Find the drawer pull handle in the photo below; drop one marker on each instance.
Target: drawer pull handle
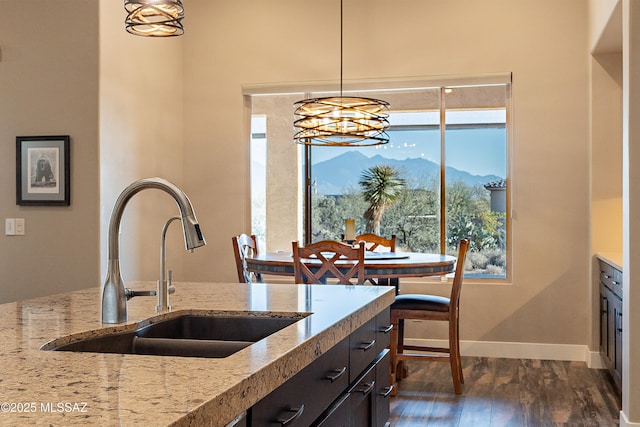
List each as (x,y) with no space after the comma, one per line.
(386,329)
(619,323)
(606,276)
(613,282)
(386,391)
(366,389)
(338,374)
(287,421)
(367,346)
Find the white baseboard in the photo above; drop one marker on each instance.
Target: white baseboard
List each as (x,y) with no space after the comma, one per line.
(624,421)
(594,360)
(512,350)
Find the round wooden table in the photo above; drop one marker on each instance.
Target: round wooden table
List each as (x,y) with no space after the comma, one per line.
(390,265)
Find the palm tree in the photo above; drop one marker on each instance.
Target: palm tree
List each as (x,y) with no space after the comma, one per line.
(381,185)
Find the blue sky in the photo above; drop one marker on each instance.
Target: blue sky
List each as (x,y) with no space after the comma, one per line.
(479,151)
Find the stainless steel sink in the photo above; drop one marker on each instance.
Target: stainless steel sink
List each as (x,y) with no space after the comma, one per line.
(187,335)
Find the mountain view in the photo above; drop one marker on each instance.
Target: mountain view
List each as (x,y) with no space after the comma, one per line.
(341,173)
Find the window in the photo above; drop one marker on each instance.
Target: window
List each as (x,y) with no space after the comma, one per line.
(444,174)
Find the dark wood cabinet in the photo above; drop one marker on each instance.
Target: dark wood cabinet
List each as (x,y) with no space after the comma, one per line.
(604,326)
(347,386)
(617,340)
(299,401)
(383,392)
(611,320)
(366,401)
(362,399)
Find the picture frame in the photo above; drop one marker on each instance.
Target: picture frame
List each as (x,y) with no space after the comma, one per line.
(43,170)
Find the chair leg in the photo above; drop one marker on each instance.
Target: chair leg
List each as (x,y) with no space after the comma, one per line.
(393,356)
(454,357)
(401,368)
(458,351)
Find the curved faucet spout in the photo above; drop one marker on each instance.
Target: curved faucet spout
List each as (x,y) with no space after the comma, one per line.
(192,235)
(114,294)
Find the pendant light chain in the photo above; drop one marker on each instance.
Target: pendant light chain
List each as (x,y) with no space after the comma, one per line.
(339,120)
(341,45)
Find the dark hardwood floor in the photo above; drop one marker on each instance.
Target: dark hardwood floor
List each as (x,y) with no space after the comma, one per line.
(506,392)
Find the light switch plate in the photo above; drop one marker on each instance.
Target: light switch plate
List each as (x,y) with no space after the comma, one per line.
(10,226)
(20,226)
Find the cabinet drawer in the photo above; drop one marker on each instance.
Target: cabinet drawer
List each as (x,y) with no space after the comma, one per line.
(606,274)
(363,348)
(383,391)
(338,414)
(616,282)
(362,399)
(305,396)
(383,330)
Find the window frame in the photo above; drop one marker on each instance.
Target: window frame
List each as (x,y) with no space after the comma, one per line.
(305,90)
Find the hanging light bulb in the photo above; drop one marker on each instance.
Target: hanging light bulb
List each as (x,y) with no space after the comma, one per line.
(340,120)
(154,18)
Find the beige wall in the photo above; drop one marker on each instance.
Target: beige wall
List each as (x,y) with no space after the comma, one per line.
(254,42)
(605,25)
(49,86)
(138,107)
(173,108)
(141,135)
(200,143)
(606,153)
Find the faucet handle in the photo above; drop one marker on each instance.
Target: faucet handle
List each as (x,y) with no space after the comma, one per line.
(170,286)
(130,293)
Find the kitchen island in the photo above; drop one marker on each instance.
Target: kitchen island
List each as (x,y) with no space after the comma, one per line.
(62,388)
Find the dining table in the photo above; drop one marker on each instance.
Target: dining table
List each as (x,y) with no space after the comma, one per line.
(379,265)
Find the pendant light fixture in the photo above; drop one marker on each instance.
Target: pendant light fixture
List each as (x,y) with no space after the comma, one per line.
(341,120)
(154,18)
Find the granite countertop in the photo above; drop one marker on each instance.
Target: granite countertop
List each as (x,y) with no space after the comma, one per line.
(612,258)
(55,388)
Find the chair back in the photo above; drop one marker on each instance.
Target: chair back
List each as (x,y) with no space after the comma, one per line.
(459,273)
(245,246)
(317,261)
(373,241)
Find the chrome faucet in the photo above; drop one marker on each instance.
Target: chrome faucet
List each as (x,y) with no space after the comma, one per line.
(165,287)
(114,294)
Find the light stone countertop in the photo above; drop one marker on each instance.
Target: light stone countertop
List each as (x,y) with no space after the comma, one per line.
(60,388)
(612,258)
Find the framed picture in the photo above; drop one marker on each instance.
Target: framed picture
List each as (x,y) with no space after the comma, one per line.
(42,170)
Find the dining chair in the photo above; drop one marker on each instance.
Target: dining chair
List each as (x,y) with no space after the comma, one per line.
(373,243)
(327,252)
(245,246)
(430,307)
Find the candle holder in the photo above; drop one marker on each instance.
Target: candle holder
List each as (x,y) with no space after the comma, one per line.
(349,230)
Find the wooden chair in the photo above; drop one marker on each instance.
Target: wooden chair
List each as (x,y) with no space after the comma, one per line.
(372,243)
(245,246)
(430,307)
(328,252)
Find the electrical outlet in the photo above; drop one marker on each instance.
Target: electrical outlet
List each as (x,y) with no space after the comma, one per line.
(20,230)
(10,226)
